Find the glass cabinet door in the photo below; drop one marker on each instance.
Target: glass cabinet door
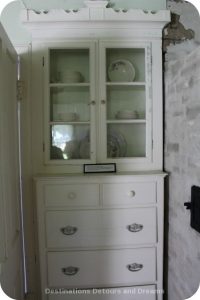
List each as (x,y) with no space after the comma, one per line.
(126,101)
(70,99)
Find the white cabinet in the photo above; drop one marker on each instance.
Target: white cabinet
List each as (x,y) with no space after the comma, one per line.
(99,113)
(97,98)
(96,89)
(70,122)
(95,244)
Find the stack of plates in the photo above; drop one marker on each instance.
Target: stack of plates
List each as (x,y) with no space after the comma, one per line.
(127,115)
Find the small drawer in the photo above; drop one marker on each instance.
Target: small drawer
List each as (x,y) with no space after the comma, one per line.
(119,194)
(101,227)
(127,293)
(71,195)
(101,268)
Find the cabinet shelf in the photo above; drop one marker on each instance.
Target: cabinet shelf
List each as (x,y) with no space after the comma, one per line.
(82,84)
(136,83)
(69,123)
(132,121)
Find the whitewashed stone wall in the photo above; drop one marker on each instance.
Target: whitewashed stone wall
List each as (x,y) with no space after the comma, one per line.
(182,161)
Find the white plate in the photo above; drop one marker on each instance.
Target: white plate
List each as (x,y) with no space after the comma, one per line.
(121,70)
(116,144)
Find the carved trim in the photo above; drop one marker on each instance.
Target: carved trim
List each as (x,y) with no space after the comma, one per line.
(95,14)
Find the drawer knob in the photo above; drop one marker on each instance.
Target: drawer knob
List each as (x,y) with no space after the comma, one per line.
(134,267)
(70,271)
(135,227)
(69,230)
(132,194)
(72,196)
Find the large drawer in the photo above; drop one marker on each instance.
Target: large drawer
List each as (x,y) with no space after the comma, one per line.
(71,195)
(127,293)
(101,268)
(129,194)
(100,227)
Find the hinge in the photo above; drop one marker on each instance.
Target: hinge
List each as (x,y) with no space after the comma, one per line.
(43,61)
(20,90)
(43,147)
(152,144)
(35,259)
(151,59)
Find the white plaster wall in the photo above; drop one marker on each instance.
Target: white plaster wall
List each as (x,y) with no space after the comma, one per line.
(182,154)
(182,161)
(189,17)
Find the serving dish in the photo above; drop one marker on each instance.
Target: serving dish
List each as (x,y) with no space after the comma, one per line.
(121,70)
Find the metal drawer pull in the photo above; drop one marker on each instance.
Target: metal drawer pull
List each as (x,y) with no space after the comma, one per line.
(135,227)
(71,196)
(68,230)
(134,267)
(70,271)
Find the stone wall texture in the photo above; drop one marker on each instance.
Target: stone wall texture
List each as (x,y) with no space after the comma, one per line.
(182,162)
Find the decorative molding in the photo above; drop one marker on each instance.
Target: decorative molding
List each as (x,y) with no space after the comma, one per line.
(95,13)
(96,4)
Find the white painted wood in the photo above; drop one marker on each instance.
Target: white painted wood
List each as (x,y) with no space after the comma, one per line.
(94,26)
(71,195)
(100,228)
(87,14)
(90,45)
(26,151)
(130,194)
(99,206)
(120,45)
(91,238)
(128,293)
(153,159)
(101,268)
(10,253)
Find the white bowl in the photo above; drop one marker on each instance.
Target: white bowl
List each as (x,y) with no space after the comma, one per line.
(70,76)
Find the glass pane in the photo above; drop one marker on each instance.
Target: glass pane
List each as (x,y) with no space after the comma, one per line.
(126,102)
(126,140)
(70,142)
(69,65)
(69,104)
(123,62)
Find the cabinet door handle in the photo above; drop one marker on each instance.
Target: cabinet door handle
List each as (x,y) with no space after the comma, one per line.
(70,271)
(92,103)
(135,227)
(134,267)
(69,230)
